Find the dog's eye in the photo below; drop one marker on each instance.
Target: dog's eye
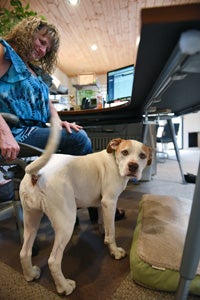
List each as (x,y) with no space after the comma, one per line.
(125,152)
(142,155)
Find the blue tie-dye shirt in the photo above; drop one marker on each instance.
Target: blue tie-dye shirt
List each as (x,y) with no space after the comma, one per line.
(23,94)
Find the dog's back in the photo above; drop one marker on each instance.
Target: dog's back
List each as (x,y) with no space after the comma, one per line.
(88,176)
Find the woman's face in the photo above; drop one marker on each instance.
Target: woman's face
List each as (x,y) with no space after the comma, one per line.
(41,45)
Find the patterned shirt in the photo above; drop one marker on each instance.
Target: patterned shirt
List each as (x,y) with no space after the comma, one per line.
(23,94)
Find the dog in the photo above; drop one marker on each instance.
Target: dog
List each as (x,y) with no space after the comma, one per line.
(58,184)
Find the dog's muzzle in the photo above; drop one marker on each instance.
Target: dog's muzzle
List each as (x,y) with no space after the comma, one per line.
(133,167)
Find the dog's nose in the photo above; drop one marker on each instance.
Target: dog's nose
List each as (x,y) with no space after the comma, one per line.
(133,166)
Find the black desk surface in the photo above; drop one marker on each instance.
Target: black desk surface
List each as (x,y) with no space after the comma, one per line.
(160,31)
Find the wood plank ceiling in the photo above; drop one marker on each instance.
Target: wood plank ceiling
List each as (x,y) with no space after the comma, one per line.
(113,25)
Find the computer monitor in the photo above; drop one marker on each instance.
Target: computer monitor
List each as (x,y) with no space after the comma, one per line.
(120,84)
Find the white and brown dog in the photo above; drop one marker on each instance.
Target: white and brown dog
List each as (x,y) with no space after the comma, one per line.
(58,184)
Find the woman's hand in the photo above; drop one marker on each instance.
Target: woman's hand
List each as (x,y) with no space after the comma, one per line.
(64,124)
(68,126)
(8,146)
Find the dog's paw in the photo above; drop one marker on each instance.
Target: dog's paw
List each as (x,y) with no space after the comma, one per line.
(34,273)
(67,288)
(118,253)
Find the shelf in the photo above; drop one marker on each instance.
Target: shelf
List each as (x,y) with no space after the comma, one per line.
(83,86)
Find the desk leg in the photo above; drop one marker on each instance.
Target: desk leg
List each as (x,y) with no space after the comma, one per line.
(191,251)
(172,131)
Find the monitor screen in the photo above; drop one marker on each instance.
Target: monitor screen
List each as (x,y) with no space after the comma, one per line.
(120,84)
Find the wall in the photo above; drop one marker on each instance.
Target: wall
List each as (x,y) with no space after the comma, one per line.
(191,123)
(62,77)
(65,80)
(102,79)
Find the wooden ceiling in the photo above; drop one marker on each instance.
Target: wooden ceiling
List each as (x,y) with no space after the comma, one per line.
(113,25)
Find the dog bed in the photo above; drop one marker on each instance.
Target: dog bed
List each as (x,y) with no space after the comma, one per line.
(158,242)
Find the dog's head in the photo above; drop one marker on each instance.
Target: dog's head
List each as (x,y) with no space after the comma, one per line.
(131,156)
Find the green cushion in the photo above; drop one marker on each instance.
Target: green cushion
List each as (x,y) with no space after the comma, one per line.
(152,274)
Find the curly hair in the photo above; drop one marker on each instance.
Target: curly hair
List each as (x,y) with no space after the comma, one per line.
(21,38)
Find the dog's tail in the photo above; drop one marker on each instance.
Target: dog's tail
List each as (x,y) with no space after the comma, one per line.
(53,142)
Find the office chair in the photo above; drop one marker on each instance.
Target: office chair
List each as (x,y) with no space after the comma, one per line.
(166,138)
(13,171)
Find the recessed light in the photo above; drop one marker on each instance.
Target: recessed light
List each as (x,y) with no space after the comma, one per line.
(94,47)
(74,2)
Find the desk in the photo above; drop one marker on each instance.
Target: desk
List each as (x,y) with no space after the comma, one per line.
(89,117)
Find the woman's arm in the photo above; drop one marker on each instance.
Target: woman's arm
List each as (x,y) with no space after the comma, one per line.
(4,63)
(8,145)
(64,124)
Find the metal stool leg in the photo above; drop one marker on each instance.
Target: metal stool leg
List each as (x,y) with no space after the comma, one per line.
(172,131)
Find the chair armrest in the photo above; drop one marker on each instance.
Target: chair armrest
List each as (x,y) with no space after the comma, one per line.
(25,149)
(29,150)
(10,118)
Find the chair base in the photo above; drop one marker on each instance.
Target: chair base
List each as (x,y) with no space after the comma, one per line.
(6,191)
(6,210)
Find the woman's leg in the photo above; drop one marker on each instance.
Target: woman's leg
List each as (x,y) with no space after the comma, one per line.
(75,143)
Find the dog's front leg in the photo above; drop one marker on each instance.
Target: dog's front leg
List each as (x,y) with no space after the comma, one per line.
(109,209)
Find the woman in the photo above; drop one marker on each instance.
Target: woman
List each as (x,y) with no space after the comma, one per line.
(27,55)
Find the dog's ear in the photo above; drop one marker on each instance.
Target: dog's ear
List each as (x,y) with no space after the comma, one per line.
(149,159)
(113,144)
